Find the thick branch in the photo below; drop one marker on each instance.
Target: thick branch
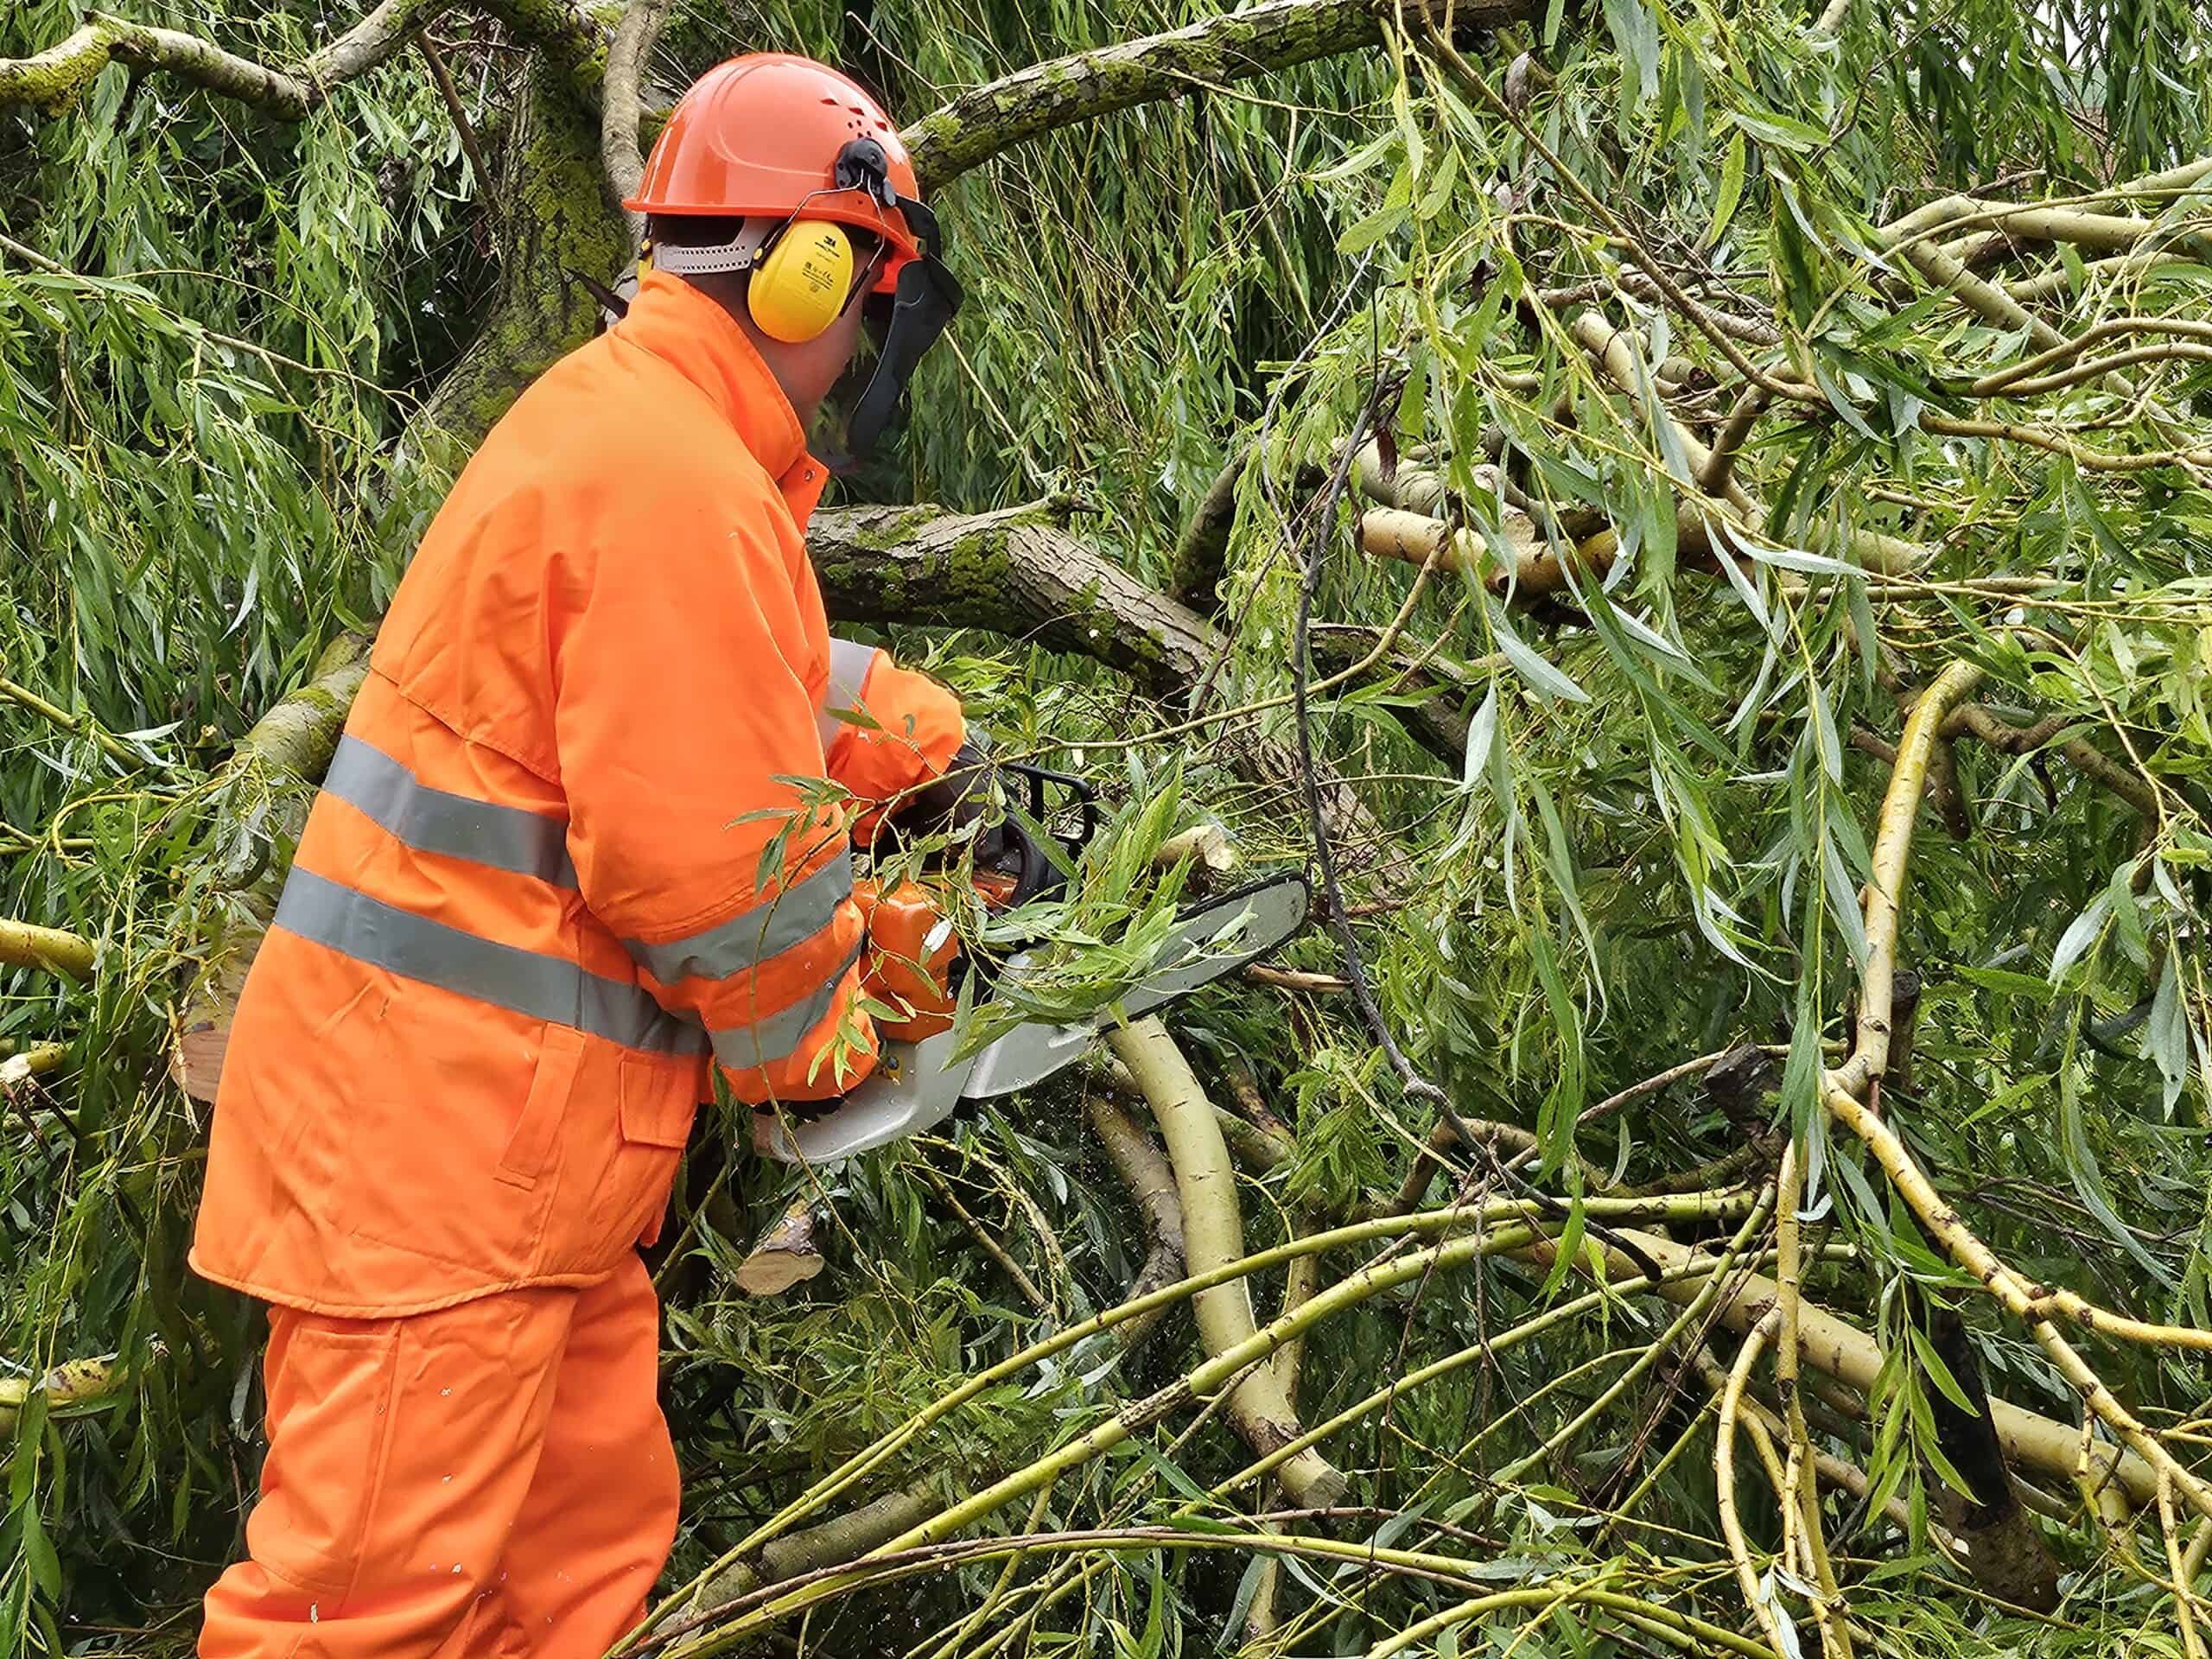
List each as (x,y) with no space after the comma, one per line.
(787,1253)
(619,103)
(1013,572)
(2006,1552)
(74,1383)
(2033,1304)
(55,78)
(1613,352)
(53,82)
(1202,552)
(380,36)
(845,1538)
(26,944)
(554,220)
(1213,1235)
(1842,1351)
(1214,52)
(2085,757)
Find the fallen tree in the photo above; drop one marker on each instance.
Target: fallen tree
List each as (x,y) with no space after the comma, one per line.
(1626,461)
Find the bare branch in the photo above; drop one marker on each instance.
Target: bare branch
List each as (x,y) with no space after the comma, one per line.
(1204,543)
(377,37)
(619,104)
(1213,1235)
(1149,1180)
(462,125)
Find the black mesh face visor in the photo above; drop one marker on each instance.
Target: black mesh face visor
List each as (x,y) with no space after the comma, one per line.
(903,324)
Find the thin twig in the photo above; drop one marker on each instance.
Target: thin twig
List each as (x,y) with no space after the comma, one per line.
(461,123)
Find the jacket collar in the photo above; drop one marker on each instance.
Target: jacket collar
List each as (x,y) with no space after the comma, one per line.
(702,342)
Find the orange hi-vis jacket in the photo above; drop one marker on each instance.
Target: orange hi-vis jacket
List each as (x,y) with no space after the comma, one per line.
(576,840)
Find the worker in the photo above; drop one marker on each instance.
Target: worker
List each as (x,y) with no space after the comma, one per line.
(590,828)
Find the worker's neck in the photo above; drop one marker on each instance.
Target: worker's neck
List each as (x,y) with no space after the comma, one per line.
(728,293)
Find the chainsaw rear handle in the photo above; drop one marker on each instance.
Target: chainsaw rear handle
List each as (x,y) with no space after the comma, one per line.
(1034,872)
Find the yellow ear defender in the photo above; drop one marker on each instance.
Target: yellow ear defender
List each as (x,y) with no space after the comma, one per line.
(800,285)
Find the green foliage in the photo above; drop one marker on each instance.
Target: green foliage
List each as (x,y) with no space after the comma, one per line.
(1652,846)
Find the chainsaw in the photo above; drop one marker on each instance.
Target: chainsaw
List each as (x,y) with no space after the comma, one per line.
(916,1086)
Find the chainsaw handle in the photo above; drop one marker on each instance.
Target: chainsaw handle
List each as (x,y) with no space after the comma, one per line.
(1084,791)
(1036,874)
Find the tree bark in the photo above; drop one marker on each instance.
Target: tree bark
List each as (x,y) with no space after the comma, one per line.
(620,158)
(53,82)
(1217,51)
(1842,1351)
(1015,572)
(2002,1547)
(845,1538)
(555,220)
(26,944)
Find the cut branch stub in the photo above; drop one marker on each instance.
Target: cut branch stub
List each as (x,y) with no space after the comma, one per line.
(789,1253)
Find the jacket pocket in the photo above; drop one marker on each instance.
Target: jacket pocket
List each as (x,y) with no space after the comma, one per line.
(538,1131)
(658,1102)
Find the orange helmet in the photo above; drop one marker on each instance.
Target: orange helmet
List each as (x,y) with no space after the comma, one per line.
(763,135)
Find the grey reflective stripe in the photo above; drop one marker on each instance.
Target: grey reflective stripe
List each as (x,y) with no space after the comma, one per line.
(433,821)
(522,981)
(777,1036)
(849,667)
(751,938)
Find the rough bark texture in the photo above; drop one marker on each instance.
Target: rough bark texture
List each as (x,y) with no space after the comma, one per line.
(1019,572)
(619,156)
(1201,555)
(51,80)
(1236,46)
(1015,572)
(833,1542)
(1998,1536)
(555,220)
(1144,1175)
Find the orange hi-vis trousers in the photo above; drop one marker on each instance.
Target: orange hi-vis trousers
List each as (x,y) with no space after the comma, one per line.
(491,1479)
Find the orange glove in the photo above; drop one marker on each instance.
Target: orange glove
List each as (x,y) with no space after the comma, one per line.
(912,947)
